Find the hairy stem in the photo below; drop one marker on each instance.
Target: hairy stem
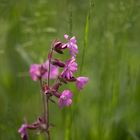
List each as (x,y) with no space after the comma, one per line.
(47,105)
(47,97)
(50,56)
(45,109)
(43,100)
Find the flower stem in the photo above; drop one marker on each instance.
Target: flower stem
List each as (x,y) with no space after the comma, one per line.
(47,104)
(50,57)
(47,97)
(45,109)
(43,99)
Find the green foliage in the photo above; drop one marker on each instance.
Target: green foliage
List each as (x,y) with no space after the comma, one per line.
(108,39)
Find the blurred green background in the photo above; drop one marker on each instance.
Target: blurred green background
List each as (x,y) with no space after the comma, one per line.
(109,54)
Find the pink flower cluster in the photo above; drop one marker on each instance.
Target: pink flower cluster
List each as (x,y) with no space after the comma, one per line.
(38,71)
(61,72)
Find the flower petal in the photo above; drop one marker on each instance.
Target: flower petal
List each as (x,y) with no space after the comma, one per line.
(81,82)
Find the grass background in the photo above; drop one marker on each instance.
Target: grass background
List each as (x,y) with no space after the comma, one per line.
(109,54)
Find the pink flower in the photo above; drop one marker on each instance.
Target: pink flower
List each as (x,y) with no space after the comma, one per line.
(81,81)
(35,71)
(72,45)
(38,71)
(53,70)
(69,69)
(65,98)
(23,131)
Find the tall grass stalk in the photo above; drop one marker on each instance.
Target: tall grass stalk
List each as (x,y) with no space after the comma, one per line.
(75,108)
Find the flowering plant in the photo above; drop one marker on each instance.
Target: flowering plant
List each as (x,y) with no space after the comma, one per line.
(50,70)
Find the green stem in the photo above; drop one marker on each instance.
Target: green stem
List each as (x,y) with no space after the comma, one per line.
(47,106)
(49,67)
(45,110)
(43,99)
(47,97)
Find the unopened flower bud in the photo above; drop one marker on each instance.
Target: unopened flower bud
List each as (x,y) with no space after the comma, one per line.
(58,51)
(56,86)
(56,94)
(59,46)
(57,62)
(72,79)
